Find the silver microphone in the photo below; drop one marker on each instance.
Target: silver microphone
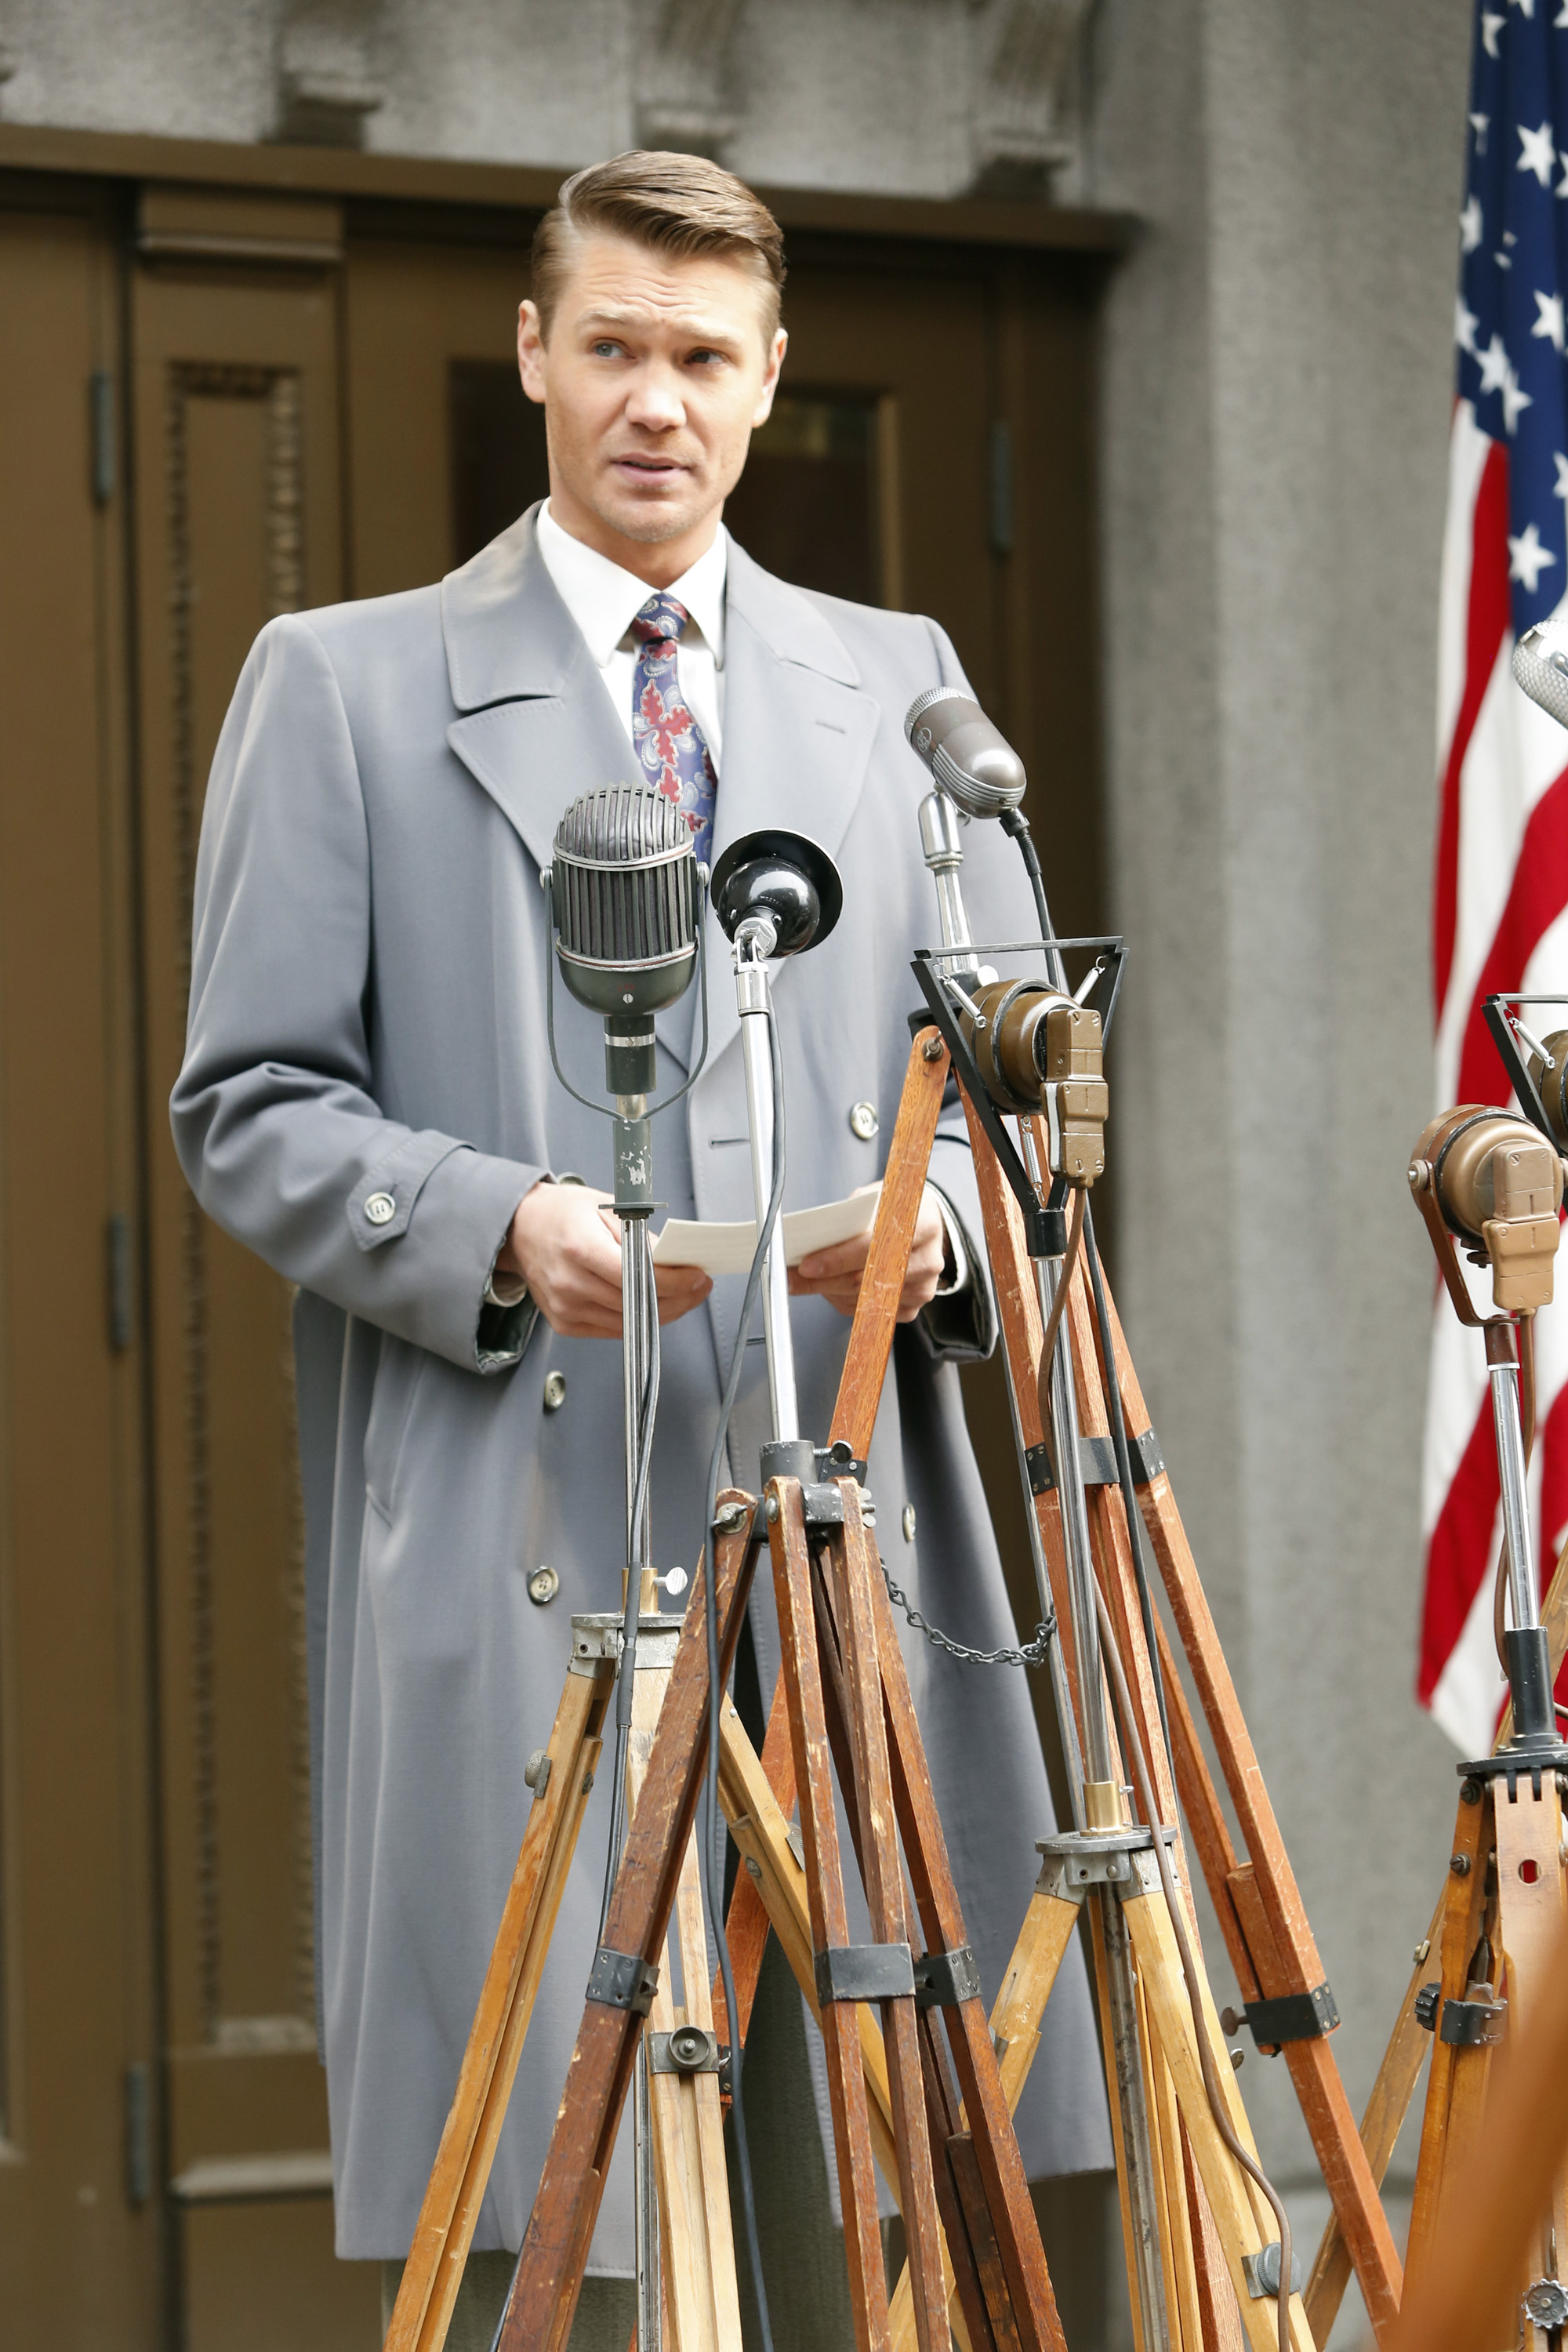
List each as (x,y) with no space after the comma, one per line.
(1540,664)
(969,757)
(624,887)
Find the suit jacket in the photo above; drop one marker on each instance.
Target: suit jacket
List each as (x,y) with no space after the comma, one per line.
(367,1017)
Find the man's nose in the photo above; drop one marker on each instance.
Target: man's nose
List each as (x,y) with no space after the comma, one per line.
(655,402)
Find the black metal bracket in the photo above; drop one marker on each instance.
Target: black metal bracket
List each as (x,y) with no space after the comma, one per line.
(1472,2024)
(687,2050)
(623,1980)
(1514,1065)
(1044,1229)
(864,1972)
(822,1507)
(1293,2017)
(1097,1458)
(946,1979)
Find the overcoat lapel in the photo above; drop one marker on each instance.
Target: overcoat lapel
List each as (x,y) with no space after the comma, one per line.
(537,726)
(798,732)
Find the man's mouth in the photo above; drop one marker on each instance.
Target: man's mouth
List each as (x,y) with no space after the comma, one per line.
(651,469)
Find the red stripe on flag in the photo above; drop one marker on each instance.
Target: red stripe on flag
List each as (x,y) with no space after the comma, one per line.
(1537,896)
(1459,1554)
(1489,618)
(1551,1443)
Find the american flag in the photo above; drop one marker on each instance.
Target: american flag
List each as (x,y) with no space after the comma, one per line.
(1501,894)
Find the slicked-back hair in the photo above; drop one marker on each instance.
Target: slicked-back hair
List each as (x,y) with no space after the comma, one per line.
(680,205)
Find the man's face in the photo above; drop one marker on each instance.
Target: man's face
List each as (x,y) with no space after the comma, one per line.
(655,373)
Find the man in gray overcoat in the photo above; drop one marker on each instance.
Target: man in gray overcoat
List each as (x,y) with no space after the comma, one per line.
(368,1102)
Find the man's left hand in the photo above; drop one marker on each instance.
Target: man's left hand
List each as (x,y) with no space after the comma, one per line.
(837,1273)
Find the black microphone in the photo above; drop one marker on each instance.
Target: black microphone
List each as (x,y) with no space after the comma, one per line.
(970,759)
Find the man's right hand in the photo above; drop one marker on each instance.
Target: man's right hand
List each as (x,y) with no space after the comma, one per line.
(566,1243)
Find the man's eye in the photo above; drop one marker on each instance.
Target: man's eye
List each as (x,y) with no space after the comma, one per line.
(605,349)
(705,359)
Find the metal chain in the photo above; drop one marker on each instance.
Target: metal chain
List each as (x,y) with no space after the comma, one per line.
(1034,1654)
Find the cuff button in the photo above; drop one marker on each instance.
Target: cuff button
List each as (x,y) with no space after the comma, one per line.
(554,1392)
(380,1208)
(863,1121)
(542,1587)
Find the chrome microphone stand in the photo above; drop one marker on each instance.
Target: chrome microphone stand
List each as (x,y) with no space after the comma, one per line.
(755,941)
(775,894)
(1090,1774)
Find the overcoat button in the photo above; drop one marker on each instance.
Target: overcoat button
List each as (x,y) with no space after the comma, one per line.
(380,1208)
(863,1121)
(542,1587)
(909,1523)
(554,1392)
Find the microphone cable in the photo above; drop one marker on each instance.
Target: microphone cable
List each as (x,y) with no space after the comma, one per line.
(1015,824)
(713,1850)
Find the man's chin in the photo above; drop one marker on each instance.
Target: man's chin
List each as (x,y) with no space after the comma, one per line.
(650,521)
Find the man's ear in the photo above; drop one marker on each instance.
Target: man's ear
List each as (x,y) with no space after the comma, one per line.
(531,352)
(764,408)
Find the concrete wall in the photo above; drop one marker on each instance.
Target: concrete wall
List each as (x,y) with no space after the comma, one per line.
(1277,393)
(1278,387)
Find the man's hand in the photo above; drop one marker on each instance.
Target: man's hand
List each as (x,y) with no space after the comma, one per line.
(836,1273)
(566,1243)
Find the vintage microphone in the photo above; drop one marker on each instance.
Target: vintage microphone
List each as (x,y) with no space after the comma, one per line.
(1540,664)
(625,895)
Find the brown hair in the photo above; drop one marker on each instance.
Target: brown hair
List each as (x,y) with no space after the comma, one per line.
(680,204)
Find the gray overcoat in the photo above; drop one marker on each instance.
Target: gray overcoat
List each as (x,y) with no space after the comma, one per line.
(367,1017)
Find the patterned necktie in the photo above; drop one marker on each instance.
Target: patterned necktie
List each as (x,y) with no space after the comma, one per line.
(668,743)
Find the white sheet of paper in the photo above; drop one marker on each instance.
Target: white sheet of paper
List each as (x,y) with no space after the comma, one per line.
(727,1249)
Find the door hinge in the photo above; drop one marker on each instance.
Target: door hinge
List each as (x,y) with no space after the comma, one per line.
(118,1276)
(138,2131)
(999,485)
(101,422)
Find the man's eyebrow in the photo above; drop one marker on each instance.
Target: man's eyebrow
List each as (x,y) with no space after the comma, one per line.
(697,331)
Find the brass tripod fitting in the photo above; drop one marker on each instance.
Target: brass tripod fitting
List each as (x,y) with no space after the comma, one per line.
(1494,1181)
(1038,1052)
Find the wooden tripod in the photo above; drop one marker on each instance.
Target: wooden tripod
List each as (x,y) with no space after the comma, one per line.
(698,2264)
(1264,1921)
(1408,2044)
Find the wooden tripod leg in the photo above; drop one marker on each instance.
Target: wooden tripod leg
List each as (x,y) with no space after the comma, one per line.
(801,1681)
(1401,2068)
(768,1849)
(1464,1902)
(853,1418)
(701,2296)
(973,2057)
(549,2278)
(884,1882)
(1291,1957)
(1245,2222)
(450,2210)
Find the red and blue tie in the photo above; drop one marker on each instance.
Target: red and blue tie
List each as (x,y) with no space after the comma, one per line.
(668,743)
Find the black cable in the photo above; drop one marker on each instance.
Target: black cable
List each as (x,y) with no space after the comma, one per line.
(712,1866)
(1015,824)
(1124,1479)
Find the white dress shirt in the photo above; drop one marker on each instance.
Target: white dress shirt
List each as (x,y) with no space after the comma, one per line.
(605,600)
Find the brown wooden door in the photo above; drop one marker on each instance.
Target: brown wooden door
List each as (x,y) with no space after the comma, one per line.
(240,506)
(78,2218)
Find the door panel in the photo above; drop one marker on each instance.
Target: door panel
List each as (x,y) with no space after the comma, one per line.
(79,2242)
(239,500)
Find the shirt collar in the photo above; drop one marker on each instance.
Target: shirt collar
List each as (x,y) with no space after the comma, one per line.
(603,600)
